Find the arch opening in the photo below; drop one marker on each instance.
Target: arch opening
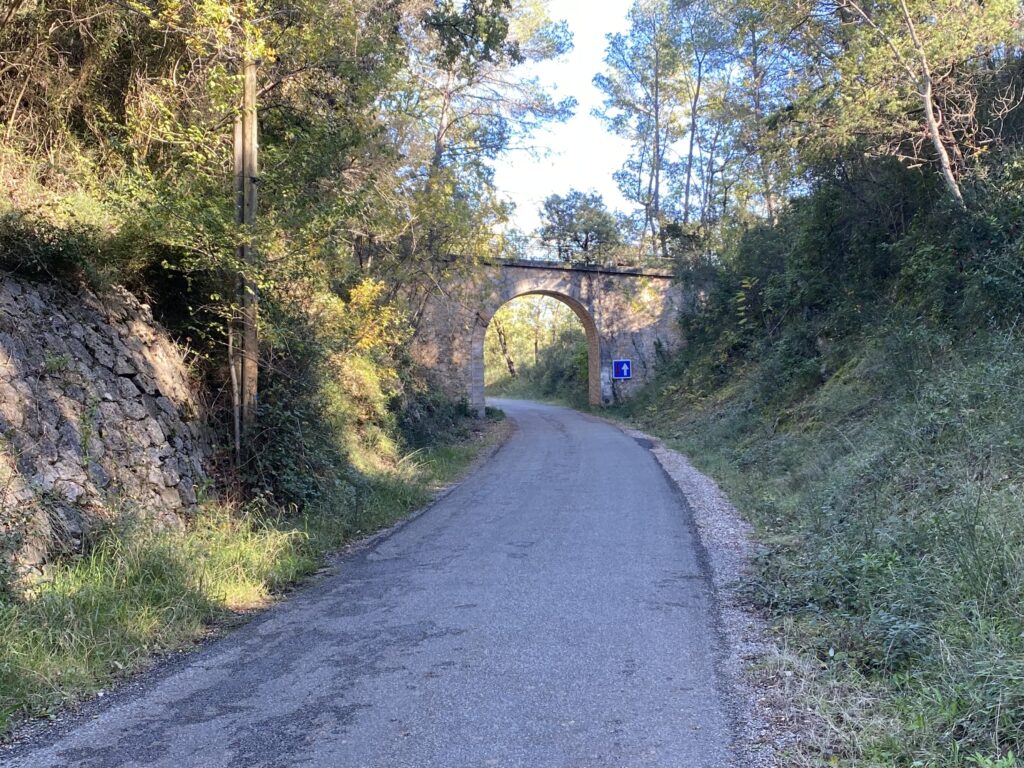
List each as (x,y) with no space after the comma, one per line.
(477,393)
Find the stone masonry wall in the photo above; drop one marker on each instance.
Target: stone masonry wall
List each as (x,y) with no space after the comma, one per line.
(627,314)
(97,415)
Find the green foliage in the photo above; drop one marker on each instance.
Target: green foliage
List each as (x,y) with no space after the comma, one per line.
(1008,761)
(542,341)
(340,403)
(579,226)
(39,249)
(427,416)
(889,500)
(478,31)
(731,107)
(560,374)
(875,93)
(376,124)
(851,378)
(645,86)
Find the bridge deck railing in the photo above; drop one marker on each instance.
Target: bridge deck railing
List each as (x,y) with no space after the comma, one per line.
(658,270)
(527,250)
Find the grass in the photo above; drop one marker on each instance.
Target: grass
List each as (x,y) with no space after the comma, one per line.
(890,501)
(528,387)
(138,592)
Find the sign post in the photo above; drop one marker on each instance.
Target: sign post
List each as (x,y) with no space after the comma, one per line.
(622,369)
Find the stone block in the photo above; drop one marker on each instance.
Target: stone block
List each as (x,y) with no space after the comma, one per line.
(110,413)
(155,477)
(170,499)
(126,388)
(45,477)
(187,491)
(158,453)
(167,406)
(78,350)
(155,432)
(69,441)
(136,410)
(172,472)
(98,475)
(70,490)
(12,405)
(146,382)
(69,469)
(33,301)
(124,367)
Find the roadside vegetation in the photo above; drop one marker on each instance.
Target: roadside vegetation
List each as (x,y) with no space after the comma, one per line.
(858,394)
(138,591)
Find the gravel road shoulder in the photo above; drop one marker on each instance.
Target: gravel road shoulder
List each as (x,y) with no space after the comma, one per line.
(767,719)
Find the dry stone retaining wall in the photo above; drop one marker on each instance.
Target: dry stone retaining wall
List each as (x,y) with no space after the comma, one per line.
(97,415)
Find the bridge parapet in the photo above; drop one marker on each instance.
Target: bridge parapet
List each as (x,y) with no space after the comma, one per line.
(564,266)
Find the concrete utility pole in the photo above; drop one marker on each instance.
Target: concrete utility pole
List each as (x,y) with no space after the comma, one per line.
(245,366)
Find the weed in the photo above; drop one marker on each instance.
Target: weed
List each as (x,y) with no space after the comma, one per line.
(980,761)
(54,364)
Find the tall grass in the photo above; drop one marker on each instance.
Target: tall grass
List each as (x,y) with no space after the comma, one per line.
(136,592)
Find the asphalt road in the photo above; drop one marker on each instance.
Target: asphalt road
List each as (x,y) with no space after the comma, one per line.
(552,611)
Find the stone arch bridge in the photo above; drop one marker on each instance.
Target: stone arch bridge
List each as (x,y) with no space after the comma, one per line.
(626,314)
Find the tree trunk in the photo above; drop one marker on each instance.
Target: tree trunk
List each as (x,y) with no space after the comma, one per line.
(659,241)
(694,106)
(710,173)
(758,75)
(499,331)
(924,76)
(935,133)
(236,401)
(931,119)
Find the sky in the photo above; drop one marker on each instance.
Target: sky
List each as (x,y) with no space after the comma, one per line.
(578,153)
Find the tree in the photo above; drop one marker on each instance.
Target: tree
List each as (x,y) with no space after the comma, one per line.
(645,86)
(578,225)
(751,93)
(467,100)
(910,74)
(705,46)
(522,332)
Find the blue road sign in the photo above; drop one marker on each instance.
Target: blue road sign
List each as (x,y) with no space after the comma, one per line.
(622,369)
